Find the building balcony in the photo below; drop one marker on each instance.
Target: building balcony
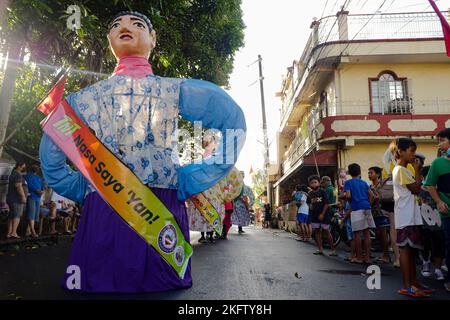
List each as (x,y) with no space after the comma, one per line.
(361,39)
(367,120)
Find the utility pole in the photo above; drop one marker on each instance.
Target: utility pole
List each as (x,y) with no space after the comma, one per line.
(266,142)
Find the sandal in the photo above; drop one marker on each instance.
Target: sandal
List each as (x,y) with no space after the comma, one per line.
(411,292)
(355,261)
(332,254)
(318,253)
(382,261)
(423,288)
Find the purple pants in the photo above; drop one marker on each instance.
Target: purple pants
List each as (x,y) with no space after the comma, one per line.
(112,257)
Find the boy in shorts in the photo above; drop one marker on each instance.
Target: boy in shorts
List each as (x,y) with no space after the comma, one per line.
(318,212)
(360,196)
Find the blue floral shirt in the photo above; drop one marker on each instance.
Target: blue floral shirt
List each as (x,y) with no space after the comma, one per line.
(137,120)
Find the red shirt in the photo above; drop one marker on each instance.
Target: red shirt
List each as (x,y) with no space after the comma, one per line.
(229,205)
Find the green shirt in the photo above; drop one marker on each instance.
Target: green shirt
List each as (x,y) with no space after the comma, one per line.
(331,198)
(439,177)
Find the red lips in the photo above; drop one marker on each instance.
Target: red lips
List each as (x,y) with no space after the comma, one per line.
(126,36)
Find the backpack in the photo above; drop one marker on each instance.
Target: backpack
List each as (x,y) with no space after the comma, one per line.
(387,190)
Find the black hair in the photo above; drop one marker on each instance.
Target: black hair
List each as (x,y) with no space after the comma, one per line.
(377,171)
(132,13)
(402,144)
(444,133)
(298,187)
(314,177)
(354,170)
(19,164)
(35,168)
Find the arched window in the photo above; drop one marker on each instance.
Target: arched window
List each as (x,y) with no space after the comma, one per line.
(389,94)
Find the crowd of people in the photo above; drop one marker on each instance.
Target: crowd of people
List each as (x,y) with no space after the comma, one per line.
(406,203)
(405,206)
(29,199)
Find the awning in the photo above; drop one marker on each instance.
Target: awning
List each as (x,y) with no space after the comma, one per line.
(323,158)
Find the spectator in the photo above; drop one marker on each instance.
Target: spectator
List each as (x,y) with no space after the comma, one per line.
(341,180)
(64,208)
(76,218)
(318,212)
(36,190)
(303,213)
(380,219)
(16,198)
(408,219)
(326,184)
(438,185)
(432,234)
(267,215)
(227,220)
(359,194)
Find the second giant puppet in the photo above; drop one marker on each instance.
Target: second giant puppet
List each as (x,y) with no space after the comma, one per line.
(134,113)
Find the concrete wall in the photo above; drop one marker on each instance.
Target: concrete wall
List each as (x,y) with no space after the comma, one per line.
(425,81)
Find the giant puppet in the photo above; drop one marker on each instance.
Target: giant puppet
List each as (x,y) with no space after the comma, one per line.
(134,114)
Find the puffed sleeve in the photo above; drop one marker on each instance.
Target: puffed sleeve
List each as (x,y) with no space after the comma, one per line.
(58,175)
(206,102)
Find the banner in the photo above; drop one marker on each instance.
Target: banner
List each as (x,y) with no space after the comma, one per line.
(445,26)
(208,211)
(119,186)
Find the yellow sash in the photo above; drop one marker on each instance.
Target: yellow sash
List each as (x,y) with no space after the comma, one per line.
(119,186)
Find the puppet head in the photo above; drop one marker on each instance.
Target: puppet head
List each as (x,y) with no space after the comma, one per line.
(131,34)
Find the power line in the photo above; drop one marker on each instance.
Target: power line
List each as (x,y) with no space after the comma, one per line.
(370,19)
(396,32)
(323,11)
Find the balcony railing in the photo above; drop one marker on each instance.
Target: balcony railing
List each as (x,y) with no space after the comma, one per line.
(408,106)
(361,27)
(397,106)
(384,26)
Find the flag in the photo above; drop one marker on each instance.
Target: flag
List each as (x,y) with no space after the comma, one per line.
(53,98)
(445,26)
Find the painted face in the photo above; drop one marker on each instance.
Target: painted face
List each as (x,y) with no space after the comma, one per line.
(130,36)
(443,144)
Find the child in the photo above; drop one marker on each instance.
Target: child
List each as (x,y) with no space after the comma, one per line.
(348,225)
(432,234)
(360,196)
(438,183)
(408,219)
(301,197)
(342,178)
(318,212)
(381,220)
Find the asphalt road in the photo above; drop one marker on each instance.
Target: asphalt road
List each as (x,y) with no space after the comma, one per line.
(260,264)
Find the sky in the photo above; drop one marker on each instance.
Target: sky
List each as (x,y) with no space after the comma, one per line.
(278,31)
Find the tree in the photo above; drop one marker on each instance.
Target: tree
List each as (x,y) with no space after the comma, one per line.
(195,38)
(259,185)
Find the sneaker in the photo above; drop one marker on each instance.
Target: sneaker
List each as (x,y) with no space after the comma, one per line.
(444,268)
(438,274)
(202,240)
(426,269)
